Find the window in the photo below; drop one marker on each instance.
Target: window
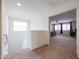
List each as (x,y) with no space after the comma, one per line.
(19,26)
(58,27)
(66,26)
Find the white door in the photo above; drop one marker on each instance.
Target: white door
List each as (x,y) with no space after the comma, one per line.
(19,35)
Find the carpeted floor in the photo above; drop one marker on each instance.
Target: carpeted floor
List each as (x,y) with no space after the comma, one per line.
(61,47)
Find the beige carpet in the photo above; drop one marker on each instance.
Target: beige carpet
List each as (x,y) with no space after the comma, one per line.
(61,47)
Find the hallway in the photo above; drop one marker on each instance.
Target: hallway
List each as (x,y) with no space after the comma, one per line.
(61,47)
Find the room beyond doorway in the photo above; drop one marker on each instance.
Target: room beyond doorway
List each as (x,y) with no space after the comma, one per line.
(64,23)
(62,26)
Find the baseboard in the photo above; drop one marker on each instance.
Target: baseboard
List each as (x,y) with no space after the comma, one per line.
(40,47)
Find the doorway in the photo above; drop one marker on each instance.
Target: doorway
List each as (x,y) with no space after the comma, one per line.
(19,35)
(62,28)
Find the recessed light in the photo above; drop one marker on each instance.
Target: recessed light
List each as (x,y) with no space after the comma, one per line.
(19,4)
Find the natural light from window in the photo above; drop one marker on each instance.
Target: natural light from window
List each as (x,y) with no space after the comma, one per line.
(20,26)
(58,27)
(66,26)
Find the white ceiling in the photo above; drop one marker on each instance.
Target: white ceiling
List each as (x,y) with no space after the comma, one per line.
(32,8)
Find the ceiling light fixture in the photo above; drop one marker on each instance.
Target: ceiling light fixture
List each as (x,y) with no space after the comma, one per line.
(19,4)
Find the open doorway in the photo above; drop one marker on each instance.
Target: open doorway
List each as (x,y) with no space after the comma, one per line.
(63,33)
(19,35)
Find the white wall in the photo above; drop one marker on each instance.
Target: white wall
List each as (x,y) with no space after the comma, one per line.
(39,38)
(39,24)
(39,32)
